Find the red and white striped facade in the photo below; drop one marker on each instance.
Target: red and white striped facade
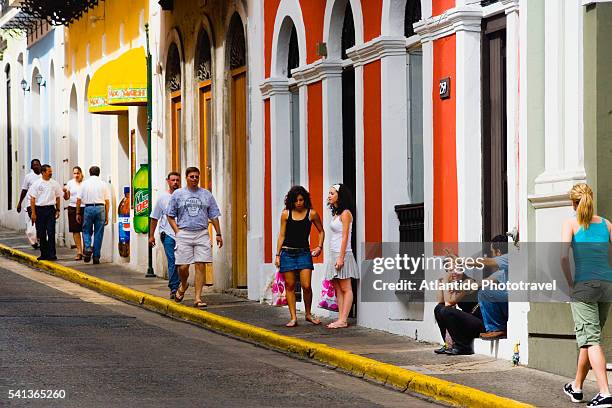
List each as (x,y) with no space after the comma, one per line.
(449,37)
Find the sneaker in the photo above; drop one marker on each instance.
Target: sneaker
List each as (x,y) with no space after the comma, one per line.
(173,294)
(456,351)
(600,401)
(96,261)
(568,389)
(442,350)
(87,256)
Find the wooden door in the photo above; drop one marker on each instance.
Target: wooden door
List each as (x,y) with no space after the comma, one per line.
(494,149)
(239,176)
(176,131)
(205,103)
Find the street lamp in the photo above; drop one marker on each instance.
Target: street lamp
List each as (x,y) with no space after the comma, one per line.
(24,86)
(40,81)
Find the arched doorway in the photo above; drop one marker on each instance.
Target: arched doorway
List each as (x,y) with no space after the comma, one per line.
(9,141)
(293,61)
(236,51)
(203,74)
(88,152)
(173,89)
(414,81)
(37,146)
(73,119)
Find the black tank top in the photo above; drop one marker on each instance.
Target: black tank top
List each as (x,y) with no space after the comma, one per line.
(297,232)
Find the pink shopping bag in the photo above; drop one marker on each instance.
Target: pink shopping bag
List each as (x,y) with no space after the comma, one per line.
(328,297)
(279,297)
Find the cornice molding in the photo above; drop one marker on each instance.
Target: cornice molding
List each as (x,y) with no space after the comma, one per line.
(317,71)
(553,200)
(464,18)
(378,48)
(274,86)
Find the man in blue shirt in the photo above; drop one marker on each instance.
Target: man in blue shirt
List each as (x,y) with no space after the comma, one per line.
(494,303)
(189,211)
(166,233)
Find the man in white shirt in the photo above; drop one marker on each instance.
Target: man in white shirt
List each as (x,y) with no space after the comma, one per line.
(166,233)
(45,206)
(95,197)
(29,179)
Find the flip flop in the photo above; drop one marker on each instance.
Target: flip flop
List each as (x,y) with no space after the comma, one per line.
(292,323)
(200,304)
(336,325)
(180,294)
(313,320)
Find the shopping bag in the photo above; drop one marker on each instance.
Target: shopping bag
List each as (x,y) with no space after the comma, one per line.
(328,297)
(31,232)
(279,297)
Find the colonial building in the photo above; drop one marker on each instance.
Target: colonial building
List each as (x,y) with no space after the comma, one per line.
(451,121)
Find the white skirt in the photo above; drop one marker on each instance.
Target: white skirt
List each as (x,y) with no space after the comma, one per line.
(349,270)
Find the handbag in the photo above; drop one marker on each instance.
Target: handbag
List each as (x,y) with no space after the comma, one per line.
(328,297)
(279,296)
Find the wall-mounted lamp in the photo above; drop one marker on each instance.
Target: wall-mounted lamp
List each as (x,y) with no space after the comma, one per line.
(24,86)
(40,81)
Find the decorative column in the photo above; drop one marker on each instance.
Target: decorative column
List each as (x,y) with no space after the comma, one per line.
(391,52)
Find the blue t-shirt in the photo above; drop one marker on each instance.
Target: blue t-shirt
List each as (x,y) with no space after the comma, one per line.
(501,275)
(192,209)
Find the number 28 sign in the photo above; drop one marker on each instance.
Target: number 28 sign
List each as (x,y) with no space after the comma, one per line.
(445,85)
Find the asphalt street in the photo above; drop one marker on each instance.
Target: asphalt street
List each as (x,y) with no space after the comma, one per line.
(97,352)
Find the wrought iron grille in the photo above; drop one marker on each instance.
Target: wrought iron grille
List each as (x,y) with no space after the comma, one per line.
(52,11)
(203,58)
(412,221)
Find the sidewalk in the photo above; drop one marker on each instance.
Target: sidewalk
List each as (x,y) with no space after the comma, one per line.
(487,374)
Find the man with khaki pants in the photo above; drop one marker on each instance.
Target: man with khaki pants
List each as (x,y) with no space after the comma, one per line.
(189,211)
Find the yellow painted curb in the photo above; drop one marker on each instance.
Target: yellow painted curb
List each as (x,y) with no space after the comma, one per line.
(357,365)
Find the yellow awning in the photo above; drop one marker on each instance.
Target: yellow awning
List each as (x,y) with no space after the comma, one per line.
(119,83)
(128,87)
(97,93)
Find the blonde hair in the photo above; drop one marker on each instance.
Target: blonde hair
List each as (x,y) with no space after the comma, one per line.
(583,196)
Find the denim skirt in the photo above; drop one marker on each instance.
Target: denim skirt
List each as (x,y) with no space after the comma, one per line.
(295,259)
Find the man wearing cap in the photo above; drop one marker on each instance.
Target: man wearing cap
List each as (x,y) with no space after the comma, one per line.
(45,196)
(95,197)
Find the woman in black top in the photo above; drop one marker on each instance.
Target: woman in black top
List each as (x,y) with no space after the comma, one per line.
(293,253)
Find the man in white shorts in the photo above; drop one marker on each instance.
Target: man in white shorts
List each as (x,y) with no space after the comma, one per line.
(189,211)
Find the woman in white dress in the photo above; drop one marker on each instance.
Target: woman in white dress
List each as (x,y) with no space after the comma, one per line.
(341,265)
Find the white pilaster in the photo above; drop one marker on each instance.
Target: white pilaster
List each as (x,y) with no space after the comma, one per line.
(391,51)
(468,134)
(277,90)
(513,141)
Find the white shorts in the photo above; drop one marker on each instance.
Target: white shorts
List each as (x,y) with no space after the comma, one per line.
(192,247)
